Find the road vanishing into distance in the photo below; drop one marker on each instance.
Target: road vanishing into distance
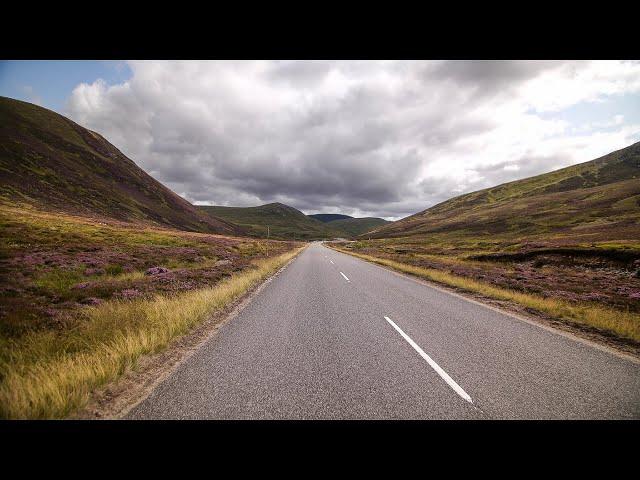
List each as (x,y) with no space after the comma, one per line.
(334,337)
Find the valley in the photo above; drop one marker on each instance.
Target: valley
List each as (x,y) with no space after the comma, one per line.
(103,266)
(287,223)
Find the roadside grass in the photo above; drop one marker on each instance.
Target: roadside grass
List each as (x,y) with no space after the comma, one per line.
(50,374)
(54,264)
(619,323)
(61,280)
(129,276)
(58,280)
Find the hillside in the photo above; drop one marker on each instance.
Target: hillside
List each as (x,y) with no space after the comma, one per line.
(51,163)
(593,201)
(60,271)
(357,226)
(284,222)
(328,217)
(563,244)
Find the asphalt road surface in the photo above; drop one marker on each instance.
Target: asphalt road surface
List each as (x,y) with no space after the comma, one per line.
(334,337)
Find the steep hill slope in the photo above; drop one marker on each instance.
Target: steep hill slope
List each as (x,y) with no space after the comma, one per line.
(328,217)
(51,163)
(593,201)
(357,226)
(283,221)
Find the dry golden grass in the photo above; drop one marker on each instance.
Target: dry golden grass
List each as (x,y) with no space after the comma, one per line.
(49,374)
(620,323)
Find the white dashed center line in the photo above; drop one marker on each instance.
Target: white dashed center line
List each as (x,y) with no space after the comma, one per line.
(457,388)
(331,261)
(345,277)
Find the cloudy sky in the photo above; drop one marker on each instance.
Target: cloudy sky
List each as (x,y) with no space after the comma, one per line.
(384,138)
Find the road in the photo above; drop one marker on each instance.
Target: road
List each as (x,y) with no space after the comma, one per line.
(334,337)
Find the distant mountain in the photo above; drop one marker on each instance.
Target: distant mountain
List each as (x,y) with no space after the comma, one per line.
(357,226)
(329,217)
(52,163)
(350,226)
(593,201)
(284,222)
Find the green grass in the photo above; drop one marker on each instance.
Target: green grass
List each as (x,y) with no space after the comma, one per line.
(619,323)
(49,229)
(52,374)
(114,269)
(59,280)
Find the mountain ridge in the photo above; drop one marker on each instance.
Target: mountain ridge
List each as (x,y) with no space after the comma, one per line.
(357,226)
(52,163)
(576,201)
(329,217)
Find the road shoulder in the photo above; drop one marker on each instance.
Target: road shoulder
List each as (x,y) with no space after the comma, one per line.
(116,399)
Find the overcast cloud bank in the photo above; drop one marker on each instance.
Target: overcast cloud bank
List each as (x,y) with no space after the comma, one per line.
(363,138)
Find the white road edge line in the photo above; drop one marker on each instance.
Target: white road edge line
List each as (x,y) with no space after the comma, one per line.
(331,261)
(345,277)
(458,389)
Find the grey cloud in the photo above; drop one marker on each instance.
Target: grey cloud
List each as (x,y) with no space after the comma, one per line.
(487,77)
(299,74)
(354,137)
(448,131)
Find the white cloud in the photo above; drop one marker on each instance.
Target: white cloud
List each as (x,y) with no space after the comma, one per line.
(576,82)
(365,138)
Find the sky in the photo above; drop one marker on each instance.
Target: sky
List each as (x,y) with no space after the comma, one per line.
(363,138)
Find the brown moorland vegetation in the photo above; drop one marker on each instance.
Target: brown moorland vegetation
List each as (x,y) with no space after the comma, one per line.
(569,237)
(99,263)
(52,265)
(82,299)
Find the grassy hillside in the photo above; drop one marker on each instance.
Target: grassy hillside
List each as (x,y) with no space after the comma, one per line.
(51,163)
(328,217)
(284,222)
(357,226)
(590,202)
(565,244)
(81,301)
